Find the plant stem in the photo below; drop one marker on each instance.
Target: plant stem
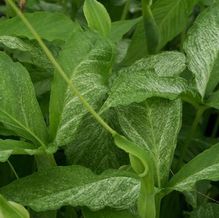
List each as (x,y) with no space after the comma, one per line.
(146,202)
(125,10)
(60,70)
(191,133)
(12,169)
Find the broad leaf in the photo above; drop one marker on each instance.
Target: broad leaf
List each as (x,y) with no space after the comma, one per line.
(154,76)
(108,213)
(94,147)
(202,47)
(50,26)
(172,17)
(97,16)
(154,124)
(204,166)
(9,209)
(75,186)
(209,210)
(19,110)
(9,147)
(86,59)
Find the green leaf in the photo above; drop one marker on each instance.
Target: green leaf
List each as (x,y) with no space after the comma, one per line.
(213,100)
(87,60)
(75,186)
(19,110)
(204,166)
(108,213)
(94,147)
(119,28)
(172,17)
(202,47)
(50,26)
(9,209)
(154,124)
(148,78)
(97,17)
(9,147)
(209,210)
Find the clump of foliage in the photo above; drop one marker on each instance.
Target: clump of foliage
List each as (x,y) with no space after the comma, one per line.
(109,109)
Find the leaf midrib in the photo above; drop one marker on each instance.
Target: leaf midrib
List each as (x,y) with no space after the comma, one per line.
(24,128)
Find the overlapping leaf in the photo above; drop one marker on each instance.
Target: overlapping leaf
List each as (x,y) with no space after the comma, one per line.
(202,47)
(9,147)
(154,76)
(19,109)
(86,59)
(154,124)
(204,166)
(209,210)
(75,186)
(50,26)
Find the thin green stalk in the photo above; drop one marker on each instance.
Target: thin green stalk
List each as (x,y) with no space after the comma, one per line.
(60,70)
(125,10)
(191,133)
(12,169)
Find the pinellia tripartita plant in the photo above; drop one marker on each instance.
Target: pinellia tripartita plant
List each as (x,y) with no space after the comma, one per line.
(117,115)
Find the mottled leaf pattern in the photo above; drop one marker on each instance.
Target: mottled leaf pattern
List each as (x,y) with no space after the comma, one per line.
(202,46)
(19,110)
(147,78)
(75,186)
(209,210)
(88,65)
(154,124)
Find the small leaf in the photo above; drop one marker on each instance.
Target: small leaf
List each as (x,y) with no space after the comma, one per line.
(148,78)
(119,28)
(88,65)
(9,147)
(204,166)
(97,17)
(154,124)
(202,47)
(50,26)
(10,209)
(75,186)
(20,111)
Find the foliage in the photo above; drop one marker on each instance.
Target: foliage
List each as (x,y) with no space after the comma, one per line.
(109,109)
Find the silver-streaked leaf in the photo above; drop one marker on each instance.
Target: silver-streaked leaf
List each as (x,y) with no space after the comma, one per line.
(154,124)
(154,76)
(87,60)
(20,111)
(208,210)
(75,186)
(202,47)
